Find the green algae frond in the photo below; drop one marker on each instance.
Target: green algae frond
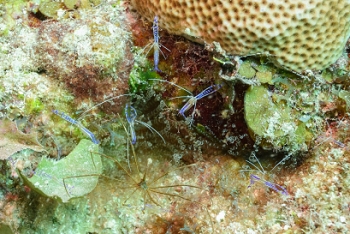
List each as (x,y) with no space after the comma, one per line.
(65,179)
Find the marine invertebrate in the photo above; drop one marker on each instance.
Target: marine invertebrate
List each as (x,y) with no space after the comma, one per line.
(273,186)
(137,177)
(149,186)
(78,124)
(131,114)
(254,178)
(298,35)
(156,44)
(192,100)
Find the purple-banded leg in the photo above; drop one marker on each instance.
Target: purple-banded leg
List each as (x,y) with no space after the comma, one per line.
(273,186)
(132,133)
(131,114)
(89,133)
(156,55)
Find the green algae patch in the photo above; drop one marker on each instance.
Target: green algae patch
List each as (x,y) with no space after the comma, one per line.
(264,77)
(258,109)
(345,95)
(50,9)
(274,122)
(34,106)
(302,134)
(139,77)
(265,74)
(327,75)
(71,4)
(73,176)
(247,70)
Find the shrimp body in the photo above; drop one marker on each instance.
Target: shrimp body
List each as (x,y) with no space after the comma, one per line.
(156,44)
(156,59)
(273,186)
(78,124)
(155,28)
(192,101)
(131,114)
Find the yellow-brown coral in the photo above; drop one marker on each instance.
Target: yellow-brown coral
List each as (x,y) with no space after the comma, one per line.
(298,34)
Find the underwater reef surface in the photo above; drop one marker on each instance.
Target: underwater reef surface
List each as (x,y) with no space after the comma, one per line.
(111,124)
(296,34)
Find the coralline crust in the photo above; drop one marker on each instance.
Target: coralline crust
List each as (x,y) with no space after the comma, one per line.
(91,55)
(298,34)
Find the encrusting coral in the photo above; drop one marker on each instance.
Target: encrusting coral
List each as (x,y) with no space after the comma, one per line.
(299,35)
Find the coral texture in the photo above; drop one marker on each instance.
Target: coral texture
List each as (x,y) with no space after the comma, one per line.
(298,34)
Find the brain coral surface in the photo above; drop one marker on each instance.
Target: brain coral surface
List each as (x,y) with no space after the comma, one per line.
(298,34)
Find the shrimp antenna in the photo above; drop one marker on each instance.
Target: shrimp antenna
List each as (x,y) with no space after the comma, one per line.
(151,129)
(101,103)
(178,86)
